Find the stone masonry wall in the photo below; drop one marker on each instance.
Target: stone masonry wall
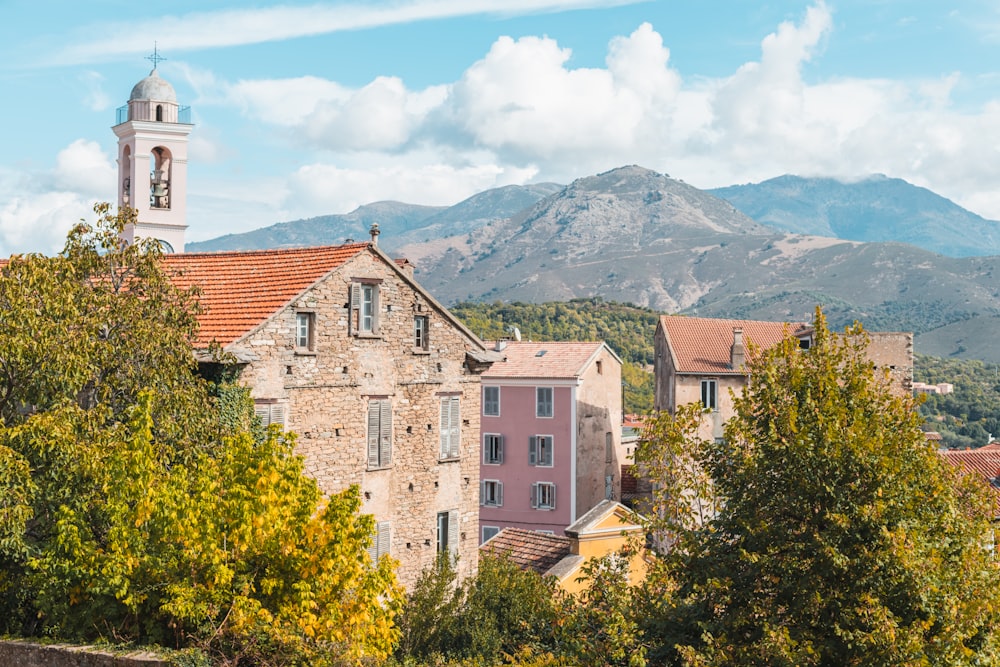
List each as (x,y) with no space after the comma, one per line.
(26,654)
(326,392)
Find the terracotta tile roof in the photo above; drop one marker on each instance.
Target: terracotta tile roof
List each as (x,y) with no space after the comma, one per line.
(984,462)
(239,290)
(563,360)
(702,344)
(528,549)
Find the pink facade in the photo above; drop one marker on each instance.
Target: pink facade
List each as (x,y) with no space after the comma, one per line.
(517,424)
(545,463)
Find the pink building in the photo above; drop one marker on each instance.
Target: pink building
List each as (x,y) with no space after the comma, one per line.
(550,435)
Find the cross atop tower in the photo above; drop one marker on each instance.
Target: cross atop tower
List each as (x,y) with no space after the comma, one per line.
(156,57)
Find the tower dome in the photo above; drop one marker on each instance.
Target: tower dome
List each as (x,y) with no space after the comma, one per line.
(153,89)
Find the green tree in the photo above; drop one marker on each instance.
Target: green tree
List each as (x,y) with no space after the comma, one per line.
(842,538)
(132,508)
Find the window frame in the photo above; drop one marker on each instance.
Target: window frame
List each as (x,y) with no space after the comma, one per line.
(537,493)
(309,317)
(710,389)
(421,334)
(491,493)
(493,451)
(535,450)
(488,402)
(447,540)
(365,291)
(539,403)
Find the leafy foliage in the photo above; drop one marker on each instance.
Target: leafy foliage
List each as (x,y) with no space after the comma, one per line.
(842,538)
(136,507)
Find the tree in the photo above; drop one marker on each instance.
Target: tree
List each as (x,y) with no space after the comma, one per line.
(133,509)
(842,538)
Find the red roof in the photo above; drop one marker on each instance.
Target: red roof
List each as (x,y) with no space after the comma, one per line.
(703,345)
(563,360)
(984,462)
(240,290)
(528,549)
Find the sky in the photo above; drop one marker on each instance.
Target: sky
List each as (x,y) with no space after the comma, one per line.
(312,108)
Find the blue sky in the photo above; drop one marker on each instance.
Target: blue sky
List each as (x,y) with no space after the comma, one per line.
(304,109)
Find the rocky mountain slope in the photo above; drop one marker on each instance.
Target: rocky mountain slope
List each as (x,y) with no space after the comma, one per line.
(874,209)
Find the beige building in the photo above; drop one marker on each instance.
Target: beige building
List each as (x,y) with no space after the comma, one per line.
(380,382)
(701,359)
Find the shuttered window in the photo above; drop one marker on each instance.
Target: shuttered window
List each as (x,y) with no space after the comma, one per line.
(270,412)
(543,495)
(364,304)
(543,401)
(491,401)
(540,450)
(451,432)
(491,493)
(492,448)
(379,433)
(380,541)
(447,532)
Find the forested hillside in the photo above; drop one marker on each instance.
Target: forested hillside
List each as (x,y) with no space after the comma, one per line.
(970,415)
(965,418)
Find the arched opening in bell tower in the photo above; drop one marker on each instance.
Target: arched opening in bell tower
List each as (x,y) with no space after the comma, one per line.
(125,171)
(159,178)
(159,113)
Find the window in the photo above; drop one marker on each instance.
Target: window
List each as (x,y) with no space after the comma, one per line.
(379,433)
(492,448)
(447,532)
(543,401)
(364,308)
(304,325)
(491,493)
(450,432)
(380,541)
(489,532)
(491,401)
(543,496)
(600,368)
(270,412)
(708,394)
(540,450)
(420,341)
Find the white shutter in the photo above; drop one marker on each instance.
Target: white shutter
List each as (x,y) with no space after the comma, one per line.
(375,308)
(385,433)
(278,415)
(444,426)
(532,450)
(454,449)
(263,412)
(453,532)
(384,535)
(373,433)
(353,317)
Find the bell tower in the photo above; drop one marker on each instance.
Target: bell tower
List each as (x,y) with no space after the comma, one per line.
(152,133)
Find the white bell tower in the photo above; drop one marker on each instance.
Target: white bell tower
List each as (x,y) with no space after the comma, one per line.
(152,133)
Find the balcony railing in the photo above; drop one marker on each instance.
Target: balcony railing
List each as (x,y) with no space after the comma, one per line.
(183,115)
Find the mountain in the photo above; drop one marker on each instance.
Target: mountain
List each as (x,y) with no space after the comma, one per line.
(635,236)
(398,222)
(877,208)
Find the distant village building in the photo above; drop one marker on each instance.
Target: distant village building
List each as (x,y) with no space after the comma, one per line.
(939,388)
(702,360)
(551,446)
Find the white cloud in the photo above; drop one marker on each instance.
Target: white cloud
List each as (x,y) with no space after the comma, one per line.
(83,168)
(199,30)
(94,97)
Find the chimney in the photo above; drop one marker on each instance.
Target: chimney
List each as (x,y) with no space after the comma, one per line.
(500,346)
(374,231)
(737,352)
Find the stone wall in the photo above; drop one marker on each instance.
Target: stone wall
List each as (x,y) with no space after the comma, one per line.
(326,391)
(26,654)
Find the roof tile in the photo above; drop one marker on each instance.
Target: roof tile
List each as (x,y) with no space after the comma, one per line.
(528,549)
(240,290)
(524,359)
(702,344)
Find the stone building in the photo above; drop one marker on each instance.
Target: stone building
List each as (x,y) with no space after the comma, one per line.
(380,382)
(701,359)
